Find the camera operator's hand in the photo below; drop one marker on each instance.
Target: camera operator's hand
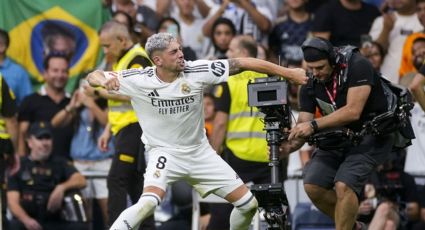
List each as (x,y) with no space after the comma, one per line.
(284,149)
(301,130)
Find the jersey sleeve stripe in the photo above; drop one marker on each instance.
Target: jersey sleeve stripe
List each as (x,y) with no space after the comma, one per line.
(130,72)
(197,67)
(196,71)
(194,66)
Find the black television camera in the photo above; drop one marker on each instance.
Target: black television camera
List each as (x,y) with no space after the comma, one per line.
(270,96)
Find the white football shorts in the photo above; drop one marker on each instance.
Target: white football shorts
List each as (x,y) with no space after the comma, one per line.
(200,166)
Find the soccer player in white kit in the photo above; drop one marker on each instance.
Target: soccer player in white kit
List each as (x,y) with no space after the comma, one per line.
(168,100)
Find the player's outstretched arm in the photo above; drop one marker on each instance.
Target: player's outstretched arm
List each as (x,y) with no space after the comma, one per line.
(99,78)
(296,75)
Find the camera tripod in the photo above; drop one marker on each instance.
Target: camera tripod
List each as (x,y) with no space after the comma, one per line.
(272,197)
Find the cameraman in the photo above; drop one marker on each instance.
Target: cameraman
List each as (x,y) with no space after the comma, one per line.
(347,94)
(391,199)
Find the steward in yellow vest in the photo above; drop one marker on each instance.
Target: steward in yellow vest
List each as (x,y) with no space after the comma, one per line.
(121,113)
(245,136)
(8,122)
(240,132)
(8,137)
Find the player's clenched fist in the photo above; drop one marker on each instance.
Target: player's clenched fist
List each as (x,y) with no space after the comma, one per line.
(112,84)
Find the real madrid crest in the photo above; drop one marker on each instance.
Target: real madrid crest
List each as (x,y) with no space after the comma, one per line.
(157,174)
(185,88)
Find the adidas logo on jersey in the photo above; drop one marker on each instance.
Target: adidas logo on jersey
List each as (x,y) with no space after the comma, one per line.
(154,93)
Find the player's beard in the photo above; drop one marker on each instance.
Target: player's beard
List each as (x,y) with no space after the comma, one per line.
(180,66)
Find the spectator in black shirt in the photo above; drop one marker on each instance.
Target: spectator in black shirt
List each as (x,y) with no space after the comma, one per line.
(43,105)
(289,33)
(344,21)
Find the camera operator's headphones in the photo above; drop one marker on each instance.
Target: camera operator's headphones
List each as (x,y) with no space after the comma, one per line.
(321,45)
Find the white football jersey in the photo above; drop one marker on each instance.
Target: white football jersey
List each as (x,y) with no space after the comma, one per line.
(171,114)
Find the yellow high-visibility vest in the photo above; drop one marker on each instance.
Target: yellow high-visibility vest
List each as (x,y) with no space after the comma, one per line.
(121,113)
(245,135)
(3,133)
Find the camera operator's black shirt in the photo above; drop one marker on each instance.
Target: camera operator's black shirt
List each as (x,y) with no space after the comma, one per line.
(360,72)
(40,107)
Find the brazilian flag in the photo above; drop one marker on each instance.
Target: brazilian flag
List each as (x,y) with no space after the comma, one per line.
(37,27)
